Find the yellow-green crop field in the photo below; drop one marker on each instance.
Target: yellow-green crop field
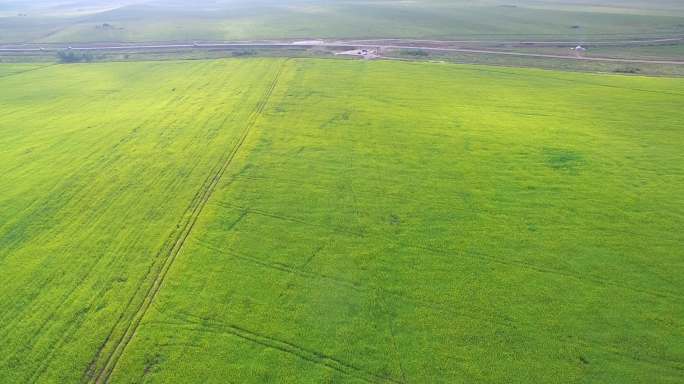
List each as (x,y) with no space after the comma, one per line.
(331,221)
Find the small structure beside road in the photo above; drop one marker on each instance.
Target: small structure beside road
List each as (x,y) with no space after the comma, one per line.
(364,53)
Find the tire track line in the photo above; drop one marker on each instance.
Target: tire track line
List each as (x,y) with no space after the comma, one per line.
(205,193)
(441,307)
(471,254)
(73,327)
(168,243)
(311,355)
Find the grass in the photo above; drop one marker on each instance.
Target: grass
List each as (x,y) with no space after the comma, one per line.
(99,165)
(556,64)
(346,19)
(7,70)
(673,52)
(374,222)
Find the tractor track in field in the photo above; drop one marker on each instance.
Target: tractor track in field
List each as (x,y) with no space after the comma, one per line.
(594,280)
(72,328)
(31,208)
(291,348)
(444,307)
(89,372)
(196,207)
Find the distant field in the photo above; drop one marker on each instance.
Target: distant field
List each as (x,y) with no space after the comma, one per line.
(307,221)
(241,20)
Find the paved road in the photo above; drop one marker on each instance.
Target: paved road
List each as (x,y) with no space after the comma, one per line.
(342,45)
(523,42)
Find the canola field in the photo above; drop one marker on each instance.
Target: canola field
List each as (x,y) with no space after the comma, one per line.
(308,221)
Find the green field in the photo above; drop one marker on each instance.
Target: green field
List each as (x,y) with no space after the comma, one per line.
(15,69)
(50,21)
(308,221)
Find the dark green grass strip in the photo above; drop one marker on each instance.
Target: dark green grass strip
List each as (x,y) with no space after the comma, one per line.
(199,202)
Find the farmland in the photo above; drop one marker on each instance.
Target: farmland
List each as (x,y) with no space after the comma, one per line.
(49,21)
(272,220)
(621,36)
